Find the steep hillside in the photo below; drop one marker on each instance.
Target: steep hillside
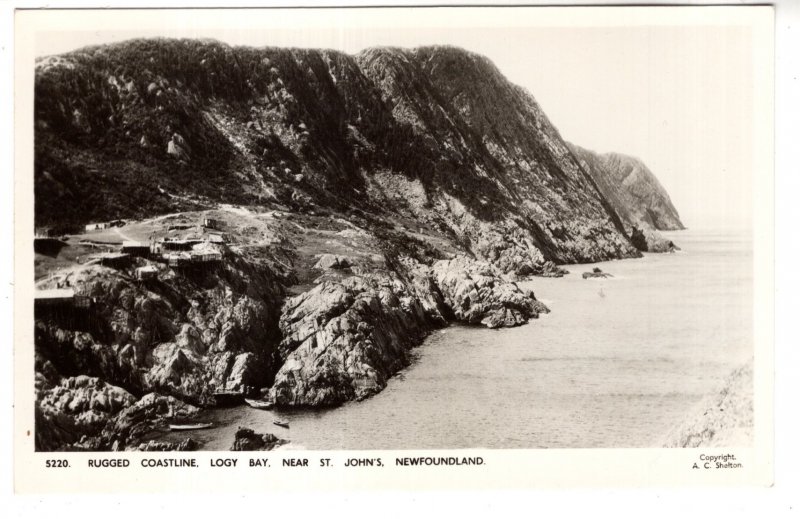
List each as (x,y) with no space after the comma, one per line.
(635,194)
(505,181)
(438,134)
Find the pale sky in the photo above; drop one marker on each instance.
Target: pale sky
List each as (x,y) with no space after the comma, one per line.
(678,97)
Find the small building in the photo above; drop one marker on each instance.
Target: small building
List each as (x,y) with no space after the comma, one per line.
(206,256)
(146,273)
(178,244)
(178,227)
(211,223)
(112,259)
(96,226)
(47,245)
(178,260)
(62,303)
(53,297)
(218,237)
(135,248)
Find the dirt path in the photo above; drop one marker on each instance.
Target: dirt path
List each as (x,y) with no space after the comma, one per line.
(122,235)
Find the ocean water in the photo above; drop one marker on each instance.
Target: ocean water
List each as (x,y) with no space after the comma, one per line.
(617,363)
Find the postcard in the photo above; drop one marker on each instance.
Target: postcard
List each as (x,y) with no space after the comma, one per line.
(393,247)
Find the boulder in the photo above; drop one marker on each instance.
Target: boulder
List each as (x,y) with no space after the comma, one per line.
(596,273)
(331,261)
(177,148)
(649,240)
(249,440)
(551,270)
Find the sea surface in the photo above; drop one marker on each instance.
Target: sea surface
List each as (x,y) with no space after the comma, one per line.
(617,363)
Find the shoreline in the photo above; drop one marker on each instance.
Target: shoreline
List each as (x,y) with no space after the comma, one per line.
(157,438)
(443,357)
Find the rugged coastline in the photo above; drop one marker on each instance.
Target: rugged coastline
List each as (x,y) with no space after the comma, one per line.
(233,326)
(283,222)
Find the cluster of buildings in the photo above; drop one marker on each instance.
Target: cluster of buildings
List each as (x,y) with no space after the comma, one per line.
(178,253)
(104,225)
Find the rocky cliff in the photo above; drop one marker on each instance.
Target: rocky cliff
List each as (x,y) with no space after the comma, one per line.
(435,134)
(635,194)
(364,201)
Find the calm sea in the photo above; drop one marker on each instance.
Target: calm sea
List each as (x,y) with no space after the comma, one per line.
(617,363)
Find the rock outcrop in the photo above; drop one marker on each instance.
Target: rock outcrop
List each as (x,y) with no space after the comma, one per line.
(476,293)
(74,409)
(126,430)
(184,336)
(596,273)
(179,339)
(343,340)
(248,440)
(649,240)
(722,420)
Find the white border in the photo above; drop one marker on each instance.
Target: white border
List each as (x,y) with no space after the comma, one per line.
(765,501)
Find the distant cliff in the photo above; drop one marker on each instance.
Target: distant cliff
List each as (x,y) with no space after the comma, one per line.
(634,192)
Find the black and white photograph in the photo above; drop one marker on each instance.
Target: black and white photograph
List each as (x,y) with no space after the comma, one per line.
(345,234)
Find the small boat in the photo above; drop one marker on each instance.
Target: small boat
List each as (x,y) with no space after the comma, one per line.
(189,426)
(259,404)
(281,423)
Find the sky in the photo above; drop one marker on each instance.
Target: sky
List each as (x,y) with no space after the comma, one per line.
(678,96)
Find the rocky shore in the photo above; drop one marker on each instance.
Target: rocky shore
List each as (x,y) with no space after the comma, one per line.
(344,339)
(721,420)
(146,354)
